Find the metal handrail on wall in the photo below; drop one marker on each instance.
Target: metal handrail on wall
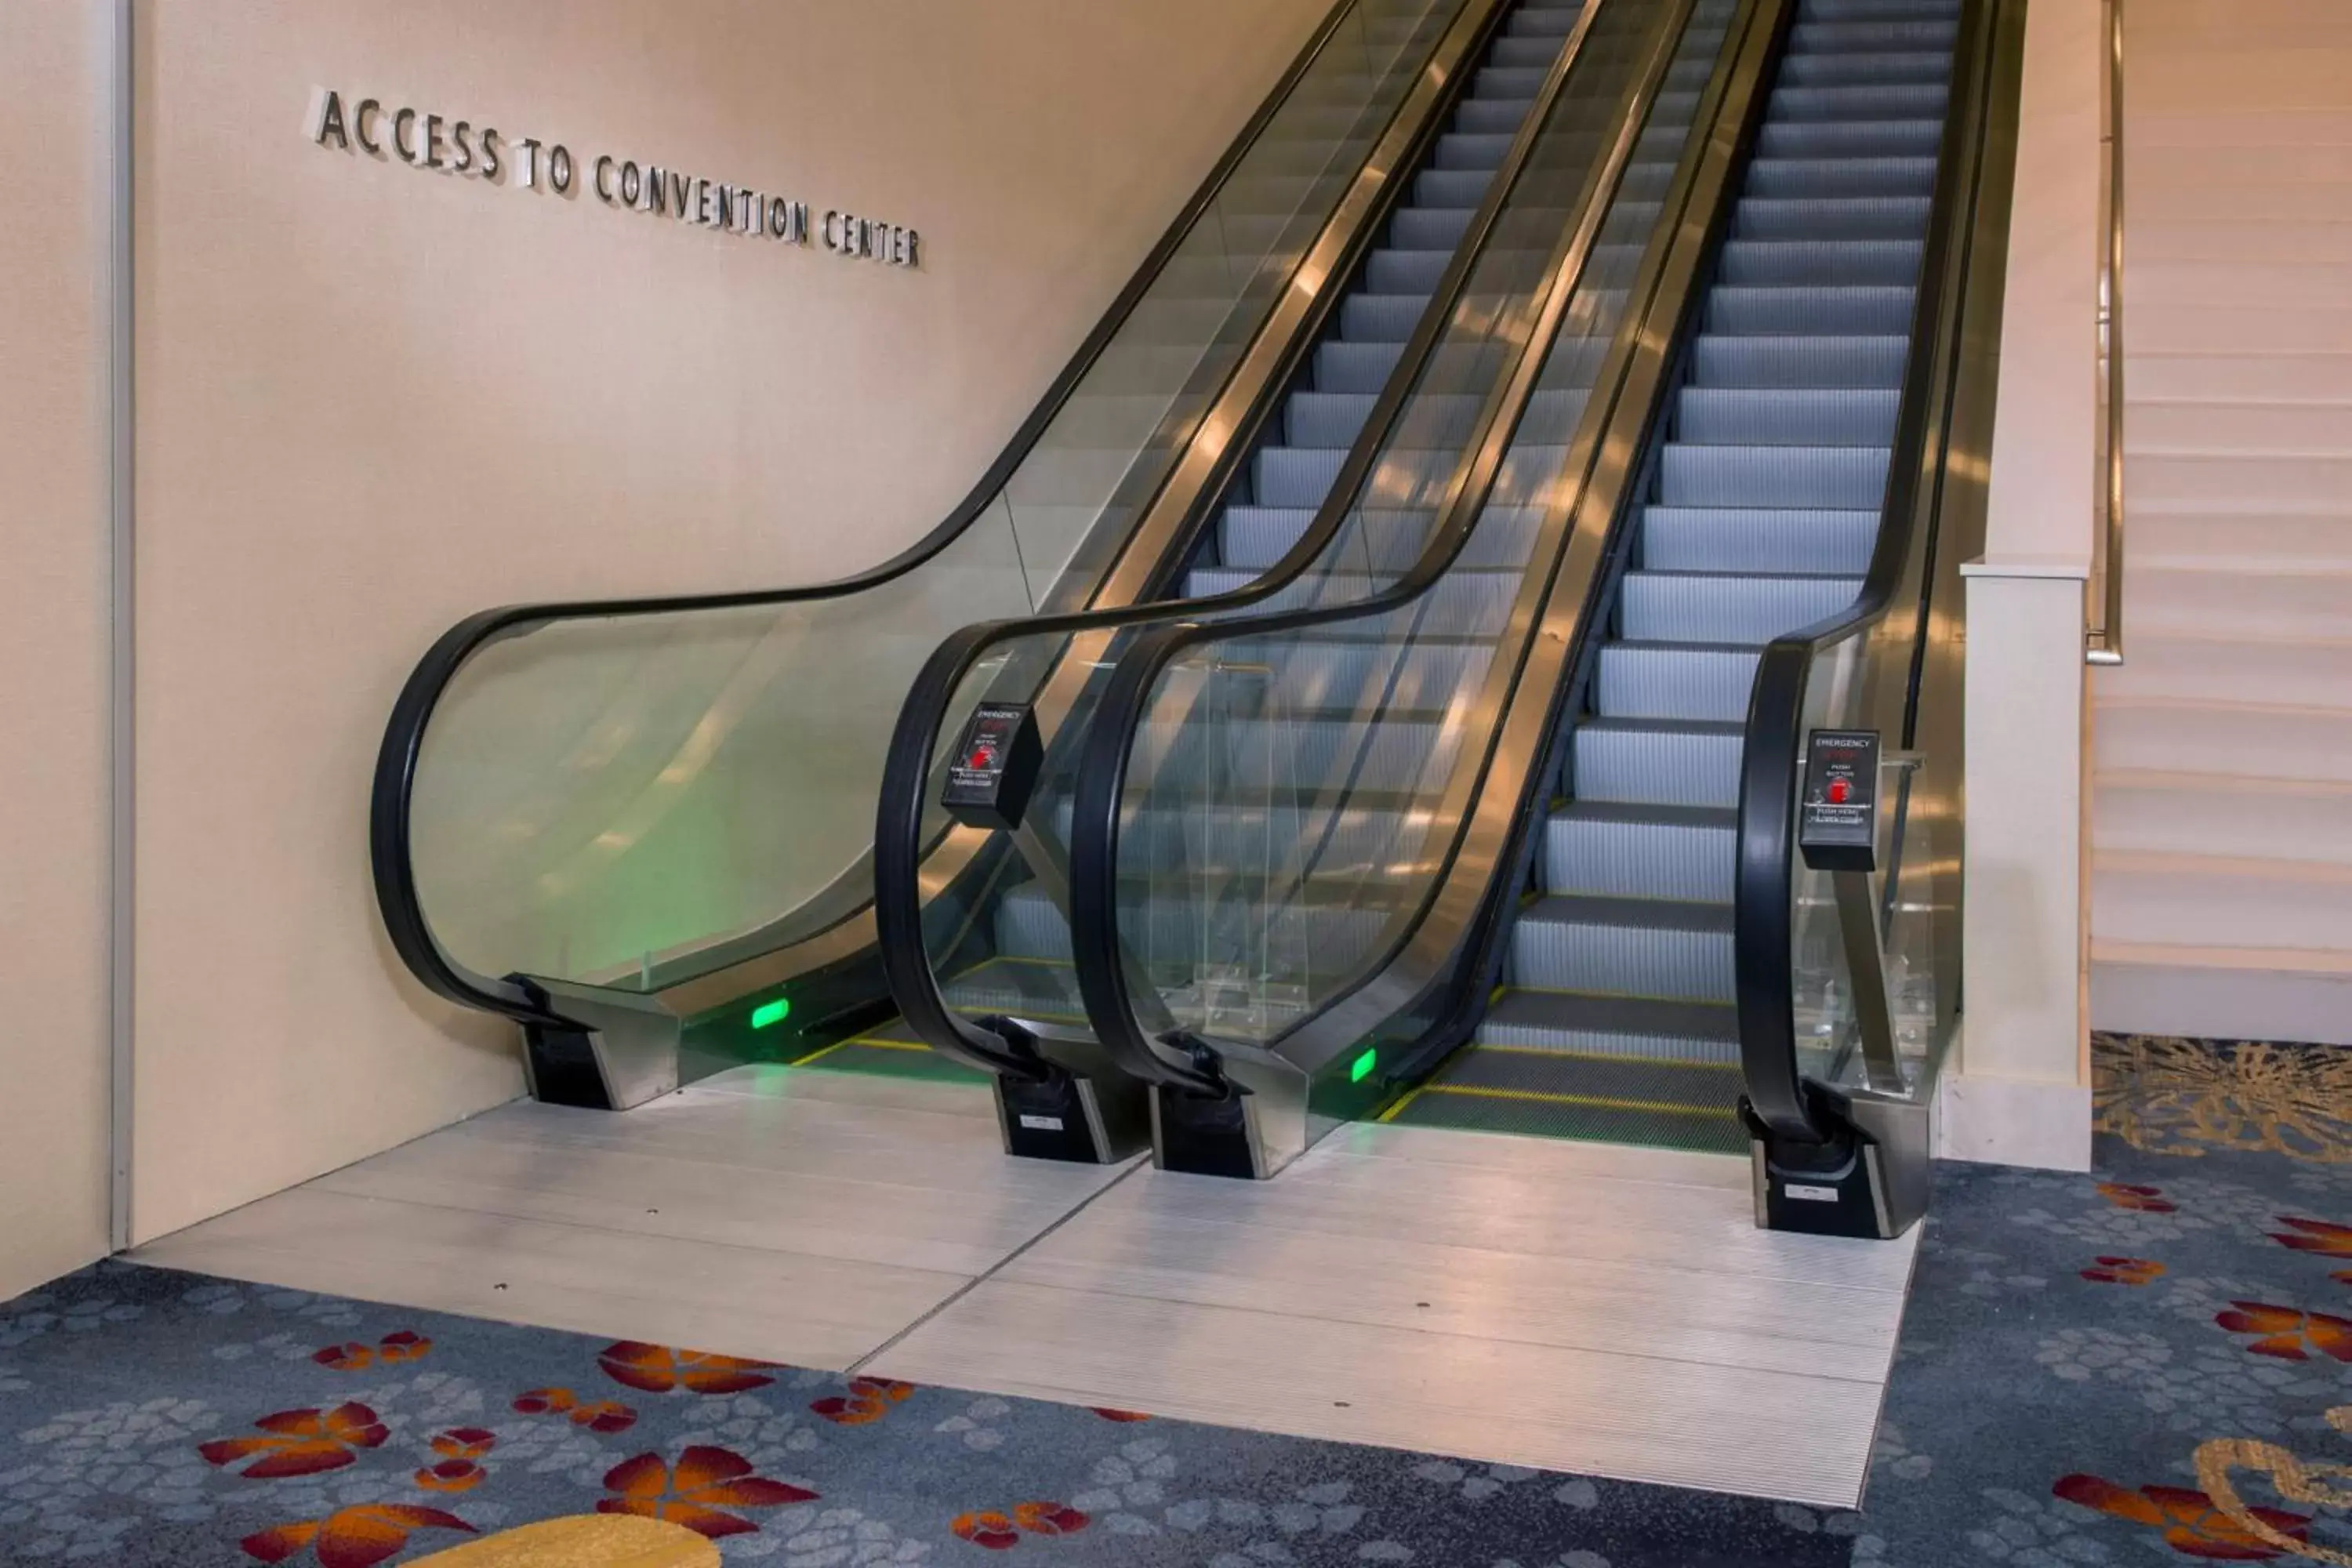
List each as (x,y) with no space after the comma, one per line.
(2103,638)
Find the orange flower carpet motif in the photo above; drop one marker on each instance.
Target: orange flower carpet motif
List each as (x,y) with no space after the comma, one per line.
(2149,1364)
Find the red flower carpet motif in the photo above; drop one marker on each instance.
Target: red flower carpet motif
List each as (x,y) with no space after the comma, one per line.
(457,1472)
(300,1442)
(2318,1235)
(696,1491)
(2287,1334)
(2192,1526)
(607,1416)
(868,1399)
(405,1345)
(2123,1270)
(658,1369)
(357,1537)
(2144,1200)
(1001,1532)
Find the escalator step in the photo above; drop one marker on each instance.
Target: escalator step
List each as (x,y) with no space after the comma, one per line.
(1755,416)
(1668,762)
(1679,682)
(1705,606)
(1753,539)
(1588,1025)
(1640,851)
(1771,475)
(1875,360)
(1806,263)
(1642,947)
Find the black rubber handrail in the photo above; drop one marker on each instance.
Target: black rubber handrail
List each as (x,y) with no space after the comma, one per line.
(1773,758)
(906,771)
(392,790)
(1103,979)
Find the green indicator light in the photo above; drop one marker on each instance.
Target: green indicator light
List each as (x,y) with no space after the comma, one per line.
(767,1013)
(1363,1068)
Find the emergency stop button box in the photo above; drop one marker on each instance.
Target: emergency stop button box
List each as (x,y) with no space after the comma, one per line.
(995,767)
(1837,822)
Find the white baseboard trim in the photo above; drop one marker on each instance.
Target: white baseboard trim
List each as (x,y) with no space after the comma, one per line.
(2013,1121)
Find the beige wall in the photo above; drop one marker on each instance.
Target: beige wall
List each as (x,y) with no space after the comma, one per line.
(373,399)
(53,631)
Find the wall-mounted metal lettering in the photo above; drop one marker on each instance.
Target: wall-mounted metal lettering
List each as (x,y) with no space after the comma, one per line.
(372,128)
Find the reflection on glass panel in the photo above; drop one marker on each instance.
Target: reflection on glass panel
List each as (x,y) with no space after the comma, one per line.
(1289,802)
(634,800)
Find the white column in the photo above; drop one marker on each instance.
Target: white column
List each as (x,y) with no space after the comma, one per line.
(2020,1091)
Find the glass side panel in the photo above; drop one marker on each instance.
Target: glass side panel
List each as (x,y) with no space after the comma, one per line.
(635,800)
(1294,794)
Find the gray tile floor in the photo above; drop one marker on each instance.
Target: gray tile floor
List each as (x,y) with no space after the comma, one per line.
(1578,1307)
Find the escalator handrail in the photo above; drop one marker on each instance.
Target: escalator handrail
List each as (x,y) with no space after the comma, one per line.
(392,788)
(1111,737)
(907,774)
(1772,755)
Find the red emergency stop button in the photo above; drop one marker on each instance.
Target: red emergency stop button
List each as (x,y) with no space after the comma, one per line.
(1839,790)
(979,759)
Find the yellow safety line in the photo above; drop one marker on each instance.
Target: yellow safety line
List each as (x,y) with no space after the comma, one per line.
(1605,1056)
(893,1045)
(1598,1101)
(819,1055)
(1393,1111)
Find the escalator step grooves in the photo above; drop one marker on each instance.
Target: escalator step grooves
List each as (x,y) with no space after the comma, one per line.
(1614,1023)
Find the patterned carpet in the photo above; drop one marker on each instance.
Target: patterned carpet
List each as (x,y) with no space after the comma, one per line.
(2138,1366)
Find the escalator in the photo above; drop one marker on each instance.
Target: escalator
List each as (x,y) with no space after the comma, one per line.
(1526,833)
(641,829)
(1618,1020)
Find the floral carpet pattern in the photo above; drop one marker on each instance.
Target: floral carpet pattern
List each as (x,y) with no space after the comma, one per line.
(2148,1364)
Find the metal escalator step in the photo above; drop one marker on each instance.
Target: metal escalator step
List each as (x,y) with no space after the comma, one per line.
(1366,367)
(1830,217)
(1029,925)
(1463,602)
(1641,947)
(1810,311)
(1479,119)
(1472,150)
(1799,178)
(1406,272)
(1875,34)
(1663,761)
(1247,758)
(1783,417)
(1524,49)
(1326,418)
(1348,674)
(1640,851)
(1679,1084)
(1840,67)
(1381,318)
(1543,21)
(1830,543)
(1876,360)
(1027,988)
(1464,188)
(1613,1027)
(1257,536)
(1805,263)
(1294,476)
(1704,606)
(1673,681)
(1515,82)
(1876,10)
(1838,477)
(1892,100)
(1898,138)
(1418,228)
